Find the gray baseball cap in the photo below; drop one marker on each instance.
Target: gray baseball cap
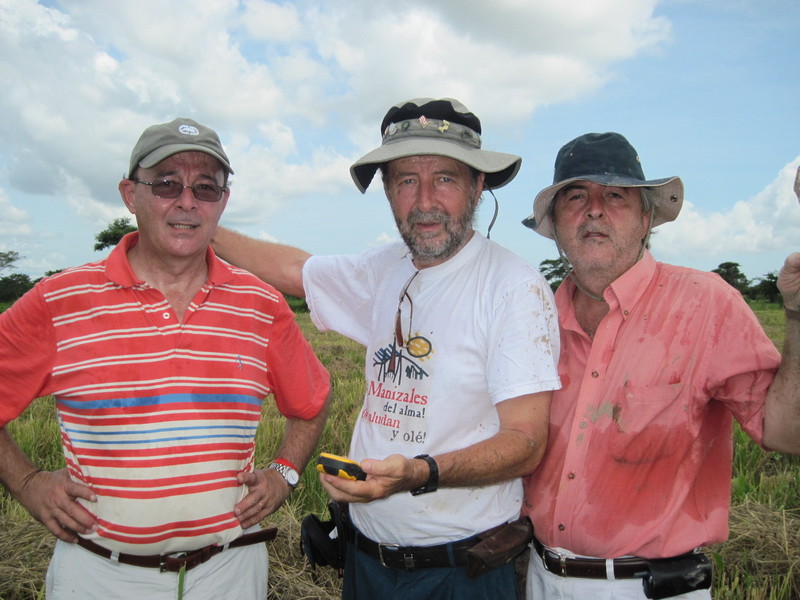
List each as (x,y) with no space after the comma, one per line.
(158,142)
(607,159)
(444,127)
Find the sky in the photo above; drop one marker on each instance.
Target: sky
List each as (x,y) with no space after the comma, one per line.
(704,89)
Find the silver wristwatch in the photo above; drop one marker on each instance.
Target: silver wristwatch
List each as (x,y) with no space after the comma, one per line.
(291,476)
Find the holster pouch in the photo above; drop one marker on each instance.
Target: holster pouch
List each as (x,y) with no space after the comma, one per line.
(677,576)
(323,542)
(499,546)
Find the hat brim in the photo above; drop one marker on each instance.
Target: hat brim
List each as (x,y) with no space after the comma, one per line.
(500,168)
(164,152)
(667,194)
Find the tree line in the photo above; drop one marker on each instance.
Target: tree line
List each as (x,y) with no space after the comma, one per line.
(13,286)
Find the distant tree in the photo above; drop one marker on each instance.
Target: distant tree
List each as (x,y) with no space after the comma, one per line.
(554,271)
(14,286)
(47,274)
(766,288)
(111,235)
(7,259)
(730,272)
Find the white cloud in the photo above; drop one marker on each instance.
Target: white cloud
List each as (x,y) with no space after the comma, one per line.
(766,223)
(295,89)
(14,221)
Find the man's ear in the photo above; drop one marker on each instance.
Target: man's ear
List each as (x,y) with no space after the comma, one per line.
(126,188)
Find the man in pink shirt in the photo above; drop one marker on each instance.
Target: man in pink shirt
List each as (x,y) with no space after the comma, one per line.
(656,361)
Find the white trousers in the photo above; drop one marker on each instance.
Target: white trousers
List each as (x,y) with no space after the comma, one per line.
(544,585)
(75,573)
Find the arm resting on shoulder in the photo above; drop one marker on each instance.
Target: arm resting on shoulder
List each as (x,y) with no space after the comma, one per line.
(50,497)
(514,451)
(782,409)
(280,266)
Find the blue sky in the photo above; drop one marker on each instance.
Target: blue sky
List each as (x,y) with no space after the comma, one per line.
(705,89)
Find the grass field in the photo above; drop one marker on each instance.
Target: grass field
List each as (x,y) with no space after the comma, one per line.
(761,561)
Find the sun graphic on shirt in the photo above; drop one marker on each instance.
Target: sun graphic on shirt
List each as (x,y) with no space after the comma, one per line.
(419,347)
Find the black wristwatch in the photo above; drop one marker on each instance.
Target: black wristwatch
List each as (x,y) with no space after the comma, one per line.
(433,479)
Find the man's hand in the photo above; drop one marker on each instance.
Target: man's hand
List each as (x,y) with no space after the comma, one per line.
(267,491)
(789,281)
(51,497)
(394,474)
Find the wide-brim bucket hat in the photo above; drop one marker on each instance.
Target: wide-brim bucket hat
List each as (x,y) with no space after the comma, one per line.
(443,127)
(607,159)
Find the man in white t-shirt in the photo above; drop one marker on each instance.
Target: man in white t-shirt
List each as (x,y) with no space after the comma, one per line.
(461,349)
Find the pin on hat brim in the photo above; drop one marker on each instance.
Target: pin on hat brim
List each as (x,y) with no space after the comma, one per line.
(667,195)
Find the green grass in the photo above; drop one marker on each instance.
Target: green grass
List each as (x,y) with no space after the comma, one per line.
(759,562)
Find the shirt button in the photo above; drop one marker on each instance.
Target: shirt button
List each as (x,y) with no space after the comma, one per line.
(166,315)
(584,424)
(571,476)
(595,374)
(561,527)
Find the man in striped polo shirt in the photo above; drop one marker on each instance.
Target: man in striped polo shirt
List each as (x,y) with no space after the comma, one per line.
(159,358)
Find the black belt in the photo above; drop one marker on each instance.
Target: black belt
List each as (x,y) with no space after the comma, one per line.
(178,560)
(595,568)
(452,554)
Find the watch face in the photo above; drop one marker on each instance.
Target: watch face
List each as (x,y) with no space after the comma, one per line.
(291,476)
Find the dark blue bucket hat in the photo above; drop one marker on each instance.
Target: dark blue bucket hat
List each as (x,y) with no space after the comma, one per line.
(607,159)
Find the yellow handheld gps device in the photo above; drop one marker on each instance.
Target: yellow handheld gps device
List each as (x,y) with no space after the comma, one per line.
(340,466)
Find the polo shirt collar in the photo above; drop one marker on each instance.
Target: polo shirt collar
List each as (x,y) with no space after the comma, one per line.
(119,270)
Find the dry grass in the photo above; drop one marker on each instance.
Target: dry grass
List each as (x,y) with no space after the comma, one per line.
(761,558)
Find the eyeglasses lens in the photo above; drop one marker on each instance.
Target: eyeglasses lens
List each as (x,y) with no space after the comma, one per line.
(206,192)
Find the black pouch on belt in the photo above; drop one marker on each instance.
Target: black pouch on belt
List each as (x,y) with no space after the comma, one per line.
(323,542)
(678,575)
(499,546)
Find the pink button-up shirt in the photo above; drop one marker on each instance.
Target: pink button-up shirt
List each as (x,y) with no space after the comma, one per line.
(640,450)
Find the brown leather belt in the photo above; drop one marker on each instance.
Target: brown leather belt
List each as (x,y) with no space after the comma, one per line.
(177,560)
(453,554)
(594,568)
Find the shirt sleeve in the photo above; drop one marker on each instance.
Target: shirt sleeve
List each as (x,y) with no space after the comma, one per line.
(299,381)
(742,362)
(27,352)
(340,293)
(524,342)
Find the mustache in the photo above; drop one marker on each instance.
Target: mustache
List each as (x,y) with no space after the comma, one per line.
(588,228)
(433,216)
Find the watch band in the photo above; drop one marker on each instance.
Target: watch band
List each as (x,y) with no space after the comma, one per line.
(291,475)
(283,461)
(433,479)
(792,314)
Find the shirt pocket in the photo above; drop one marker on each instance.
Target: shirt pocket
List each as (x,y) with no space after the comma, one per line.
(652,424)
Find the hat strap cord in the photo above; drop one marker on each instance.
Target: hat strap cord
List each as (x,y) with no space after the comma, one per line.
(494,217)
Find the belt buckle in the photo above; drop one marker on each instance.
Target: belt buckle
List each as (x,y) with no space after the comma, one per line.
(163,567)
(561,558)
(408,559)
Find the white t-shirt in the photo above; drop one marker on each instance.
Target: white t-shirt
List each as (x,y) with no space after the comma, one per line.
(483,329)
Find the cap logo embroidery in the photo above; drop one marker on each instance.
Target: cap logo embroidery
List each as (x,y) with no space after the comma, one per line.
(188,130)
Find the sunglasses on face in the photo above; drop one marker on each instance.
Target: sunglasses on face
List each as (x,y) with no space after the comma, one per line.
(169,189)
